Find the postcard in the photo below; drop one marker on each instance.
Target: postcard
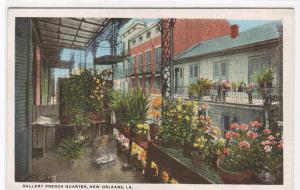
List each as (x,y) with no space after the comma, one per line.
(150,98)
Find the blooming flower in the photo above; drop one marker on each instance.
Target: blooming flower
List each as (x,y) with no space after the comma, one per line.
(187,118)
(233,126)
(226,151)
(244,144)
(252,134)
(165,177)
(236,135)
(267,131)
(178,107)
(267,148)
(267,142)
(243,127)
(270,137)
(228,135)
(255,124)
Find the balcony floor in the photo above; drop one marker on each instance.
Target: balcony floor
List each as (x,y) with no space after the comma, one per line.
(85,171)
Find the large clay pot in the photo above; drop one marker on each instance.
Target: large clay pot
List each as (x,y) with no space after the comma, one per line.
(229,177)
(154,130)
(187,149)
(140,137)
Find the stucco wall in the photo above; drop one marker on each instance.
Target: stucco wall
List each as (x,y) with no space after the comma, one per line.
(237,63)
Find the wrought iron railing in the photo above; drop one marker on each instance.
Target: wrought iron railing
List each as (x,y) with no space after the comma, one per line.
(228,96)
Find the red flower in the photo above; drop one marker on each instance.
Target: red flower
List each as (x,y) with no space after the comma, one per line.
(267,142)
(244,144)
(226,151)
(243,127)
(252,134)
(236,135)
(228,134)
(267,131)
(255,124)
(233,126)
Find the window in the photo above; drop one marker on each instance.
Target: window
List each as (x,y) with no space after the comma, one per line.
(140,62)
(157,58)
(133,42)
(256,64)
(194,70)
(220,70)
(131,67)
(141,38)
(148,61)
(148,34)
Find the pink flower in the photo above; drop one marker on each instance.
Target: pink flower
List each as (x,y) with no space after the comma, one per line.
(255,124)
(270,137)
(267,148)
(252,134)
(233,126)
(267,131)
(243,127)
(236,135)
(244,144)
(267,142)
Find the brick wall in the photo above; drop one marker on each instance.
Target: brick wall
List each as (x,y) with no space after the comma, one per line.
(23,96)
(188,32)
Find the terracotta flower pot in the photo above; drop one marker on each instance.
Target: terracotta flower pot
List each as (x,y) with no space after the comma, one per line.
(229,177)
(140,137)
(154,130)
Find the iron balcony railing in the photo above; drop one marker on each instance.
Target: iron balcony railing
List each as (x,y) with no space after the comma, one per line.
(230,96)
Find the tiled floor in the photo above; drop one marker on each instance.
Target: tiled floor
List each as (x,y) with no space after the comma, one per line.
(85,171)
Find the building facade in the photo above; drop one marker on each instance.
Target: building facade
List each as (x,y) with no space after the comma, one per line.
(235,57)
(143,66)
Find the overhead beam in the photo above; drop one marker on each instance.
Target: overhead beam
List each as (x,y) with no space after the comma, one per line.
(62,44)
(51,37)
(86,21)
(64,33)
(88,31)
(99,32)
(78,31)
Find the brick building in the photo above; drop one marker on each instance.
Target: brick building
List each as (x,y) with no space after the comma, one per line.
(144,47)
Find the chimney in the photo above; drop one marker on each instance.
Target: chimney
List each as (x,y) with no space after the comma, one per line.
(234,31)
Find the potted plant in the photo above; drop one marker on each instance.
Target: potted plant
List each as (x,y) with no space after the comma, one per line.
(81,123)
(155,113)
(234,86)
(141,132)
(241,86)
(250,88)
(265,78)
(202,87)
(70,149)
(179,119)
(226,86)
(242,145)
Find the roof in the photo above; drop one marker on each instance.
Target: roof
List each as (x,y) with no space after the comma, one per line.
(252,36)
(70,32)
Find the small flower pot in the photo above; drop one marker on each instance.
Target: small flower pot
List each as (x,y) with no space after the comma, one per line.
(154,130)
(229,177)
(140,137)
(187,149)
